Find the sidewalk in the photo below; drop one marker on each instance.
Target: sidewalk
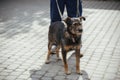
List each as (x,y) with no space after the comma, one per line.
(23,42)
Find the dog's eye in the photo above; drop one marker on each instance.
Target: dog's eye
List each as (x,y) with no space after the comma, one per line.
(77,24)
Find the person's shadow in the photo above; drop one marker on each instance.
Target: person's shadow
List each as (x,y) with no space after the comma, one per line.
(85,75)
(55,71)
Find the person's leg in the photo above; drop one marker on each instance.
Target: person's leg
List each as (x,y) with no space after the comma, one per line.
(71,6)
(54,13)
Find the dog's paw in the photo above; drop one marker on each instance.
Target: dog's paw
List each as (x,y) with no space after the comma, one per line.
(58,59)
(81,55)
(78,72)
(47,62)
(68,72)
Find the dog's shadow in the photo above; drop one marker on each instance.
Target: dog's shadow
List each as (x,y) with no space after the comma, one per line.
(55,71)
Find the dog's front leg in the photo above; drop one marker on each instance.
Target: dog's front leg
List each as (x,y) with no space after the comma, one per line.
(77,51)
(64,53)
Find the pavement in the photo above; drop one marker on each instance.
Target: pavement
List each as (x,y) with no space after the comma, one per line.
(24,35)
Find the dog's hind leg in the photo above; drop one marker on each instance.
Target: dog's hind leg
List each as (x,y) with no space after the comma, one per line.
(57,52)
(49,52)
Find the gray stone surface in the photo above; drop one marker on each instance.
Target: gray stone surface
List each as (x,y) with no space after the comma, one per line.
(24,35)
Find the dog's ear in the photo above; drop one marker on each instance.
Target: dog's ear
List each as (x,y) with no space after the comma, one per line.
(68,21)
(82,18)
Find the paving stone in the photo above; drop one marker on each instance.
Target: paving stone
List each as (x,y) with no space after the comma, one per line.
(2,77)
(40,72)
(1,69)
(50,74)
(20,70)
(97,76)
(59,77)
(99,50)
(61,73)
(8,70)
(101,68)
(4,73)
(15,73)
(46,78)
(88,73)
(109,76)
(112,70)
(32,79)
(23,40)
(10,77)
(13,67)
(36,76)
(24,76)
(72,77)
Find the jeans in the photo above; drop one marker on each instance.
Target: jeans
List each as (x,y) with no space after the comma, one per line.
(71,6)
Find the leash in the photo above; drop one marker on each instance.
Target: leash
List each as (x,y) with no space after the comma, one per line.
(78,13)
(64,23)
(59,10)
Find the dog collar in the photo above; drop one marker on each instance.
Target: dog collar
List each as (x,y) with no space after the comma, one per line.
(64,24)
(73,39)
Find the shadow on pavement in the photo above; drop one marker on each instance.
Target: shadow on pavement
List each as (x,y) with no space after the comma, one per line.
(85,75)
(55,71)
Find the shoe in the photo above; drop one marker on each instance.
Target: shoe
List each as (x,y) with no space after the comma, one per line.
(53,48)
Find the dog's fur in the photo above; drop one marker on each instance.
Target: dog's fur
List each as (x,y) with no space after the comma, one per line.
(67,38)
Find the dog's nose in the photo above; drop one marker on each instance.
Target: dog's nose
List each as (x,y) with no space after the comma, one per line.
(80,30)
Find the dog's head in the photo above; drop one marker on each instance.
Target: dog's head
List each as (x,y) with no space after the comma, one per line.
(74,25)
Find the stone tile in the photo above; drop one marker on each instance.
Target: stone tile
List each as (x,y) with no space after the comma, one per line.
(109,76)
(35,76)
(112,70)
(2,77)
(50,74)
(72,77)
(46,78)
(94,78)
(4,73)
(59,77)
(24,76)
(10,77)
(15,73)
(23,42)
(98,76)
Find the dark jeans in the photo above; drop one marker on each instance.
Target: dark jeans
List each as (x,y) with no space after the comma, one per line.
(71,6)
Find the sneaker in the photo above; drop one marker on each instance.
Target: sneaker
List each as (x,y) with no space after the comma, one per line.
(53,48)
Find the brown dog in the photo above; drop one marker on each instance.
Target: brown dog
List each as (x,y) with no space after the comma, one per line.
(67,36)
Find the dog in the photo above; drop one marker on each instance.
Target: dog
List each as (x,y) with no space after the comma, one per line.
(66,35)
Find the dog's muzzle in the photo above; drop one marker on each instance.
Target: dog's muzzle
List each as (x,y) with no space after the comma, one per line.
(80,30)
